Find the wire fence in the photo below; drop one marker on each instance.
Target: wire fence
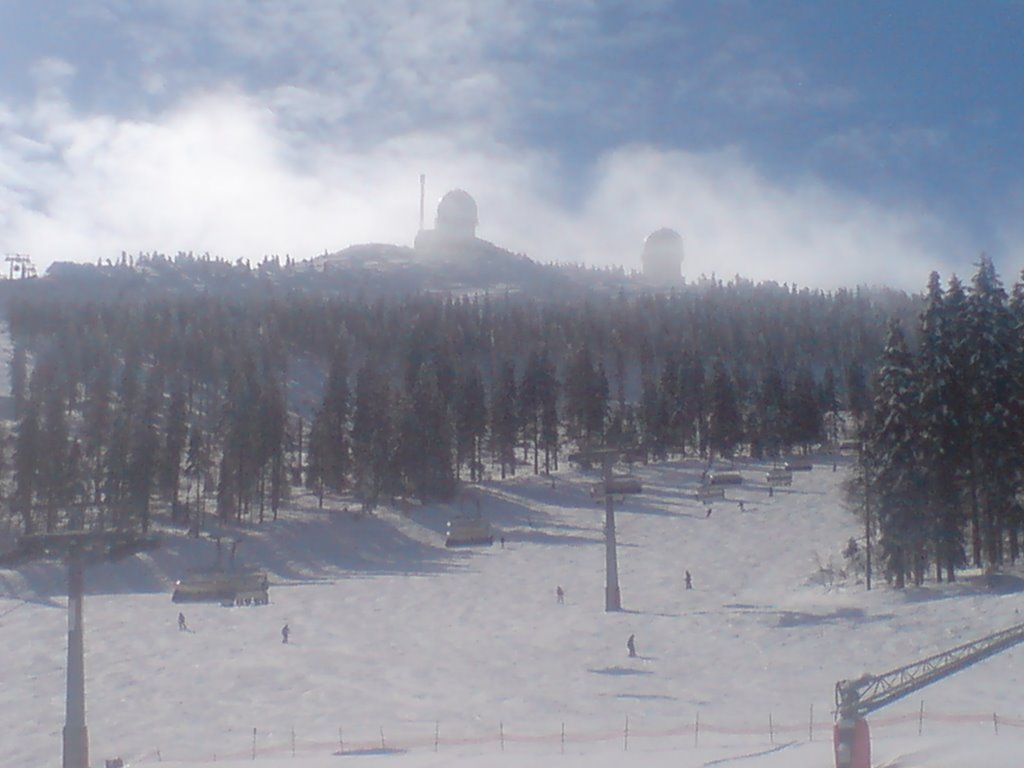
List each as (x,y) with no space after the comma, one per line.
(275,743)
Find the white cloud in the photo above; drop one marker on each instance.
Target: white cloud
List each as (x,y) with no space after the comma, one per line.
(225,173)
(303,126)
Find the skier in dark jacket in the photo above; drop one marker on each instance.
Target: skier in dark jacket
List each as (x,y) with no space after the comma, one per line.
(631,646)
(284,633)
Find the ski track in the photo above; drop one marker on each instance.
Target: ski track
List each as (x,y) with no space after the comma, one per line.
(392,631)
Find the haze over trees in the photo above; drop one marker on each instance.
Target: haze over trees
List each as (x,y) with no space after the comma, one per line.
(166,399)
(172,402)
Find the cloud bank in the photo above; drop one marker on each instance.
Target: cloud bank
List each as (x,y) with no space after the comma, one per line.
(245,129)
(224,173)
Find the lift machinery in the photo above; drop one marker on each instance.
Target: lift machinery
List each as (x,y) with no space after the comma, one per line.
(855,699)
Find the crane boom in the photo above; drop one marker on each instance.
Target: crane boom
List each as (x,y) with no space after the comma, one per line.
(856,698)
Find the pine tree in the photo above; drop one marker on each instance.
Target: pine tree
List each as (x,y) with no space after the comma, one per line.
(19,377)
(891,446)
(372,430)
(943,415)
(175,437)
(693,401)
(329,452)
(426,439)
(726,424)
(470,422)
(993,393)
(653,421)
(806,423)
(504,420)
(26,467)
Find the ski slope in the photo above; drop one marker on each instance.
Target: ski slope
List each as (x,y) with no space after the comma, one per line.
(405,654)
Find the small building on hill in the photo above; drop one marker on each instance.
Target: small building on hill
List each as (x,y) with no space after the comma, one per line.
(662,257)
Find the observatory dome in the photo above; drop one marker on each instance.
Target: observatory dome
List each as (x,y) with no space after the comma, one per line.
(663,256)
(456,214)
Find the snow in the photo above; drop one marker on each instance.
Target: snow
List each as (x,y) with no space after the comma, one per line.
(395,637)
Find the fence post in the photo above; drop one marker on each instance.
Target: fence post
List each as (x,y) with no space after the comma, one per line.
(771,729)
(625,736)
(920,719)
(563,737)
(696,728)
(501,735)
(810,724)
(437,733)
(293,741)
(253,743)
(382,739)
(995,722)
(341,741)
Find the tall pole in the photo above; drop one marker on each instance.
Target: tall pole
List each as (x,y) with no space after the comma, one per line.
(76,738)
(612,598)
(867,532)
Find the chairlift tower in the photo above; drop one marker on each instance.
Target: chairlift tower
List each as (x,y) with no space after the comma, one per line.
(78,549)
(607,457)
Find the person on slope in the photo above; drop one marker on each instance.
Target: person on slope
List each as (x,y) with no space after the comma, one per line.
(631,646)
(284,634)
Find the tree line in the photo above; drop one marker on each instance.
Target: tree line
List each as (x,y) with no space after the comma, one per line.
(940,470)
(196,403)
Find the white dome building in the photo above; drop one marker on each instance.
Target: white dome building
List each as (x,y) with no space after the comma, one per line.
(454,226)
(457,215)
(662,257)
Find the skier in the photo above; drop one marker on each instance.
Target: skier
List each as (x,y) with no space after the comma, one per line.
(741,506)
(284,633)
(182,626)
(708,512)
(560,594)
(689,581)
(631,646)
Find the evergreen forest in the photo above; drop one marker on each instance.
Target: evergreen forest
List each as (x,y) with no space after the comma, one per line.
(174,405)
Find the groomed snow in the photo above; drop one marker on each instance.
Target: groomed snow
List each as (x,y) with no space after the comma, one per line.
(394,637)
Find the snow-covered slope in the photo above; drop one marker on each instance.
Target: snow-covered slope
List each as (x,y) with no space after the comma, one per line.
(396,639)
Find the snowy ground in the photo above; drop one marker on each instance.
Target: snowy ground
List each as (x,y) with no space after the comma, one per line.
(397,642)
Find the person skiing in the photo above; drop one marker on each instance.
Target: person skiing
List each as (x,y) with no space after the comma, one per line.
(560,594)
(631,646)
(284,633)
(689,581)
(182,626)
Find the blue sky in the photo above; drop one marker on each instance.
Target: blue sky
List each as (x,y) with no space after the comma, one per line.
(822,144)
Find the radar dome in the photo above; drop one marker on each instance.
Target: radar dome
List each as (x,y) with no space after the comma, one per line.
(663,256)
(456,214)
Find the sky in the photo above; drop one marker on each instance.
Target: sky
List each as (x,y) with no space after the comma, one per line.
(817,144)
